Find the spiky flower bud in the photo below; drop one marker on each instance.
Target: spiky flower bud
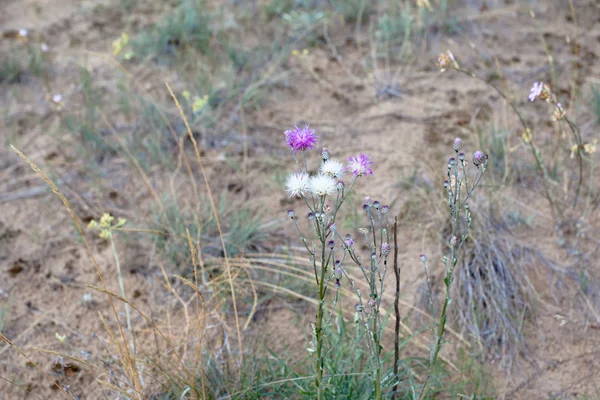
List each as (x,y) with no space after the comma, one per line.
(385,249)
(291,214)
(349,242)
(478,158)
(457,144)
(338,272)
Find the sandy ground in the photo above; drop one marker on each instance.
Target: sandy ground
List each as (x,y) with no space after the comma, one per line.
(44,267)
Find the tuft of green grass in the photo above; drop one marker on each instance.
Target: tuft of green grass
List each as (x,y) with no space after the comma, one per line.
(354,11)
(21,61)
(189,27)
(596,102)
(243,230)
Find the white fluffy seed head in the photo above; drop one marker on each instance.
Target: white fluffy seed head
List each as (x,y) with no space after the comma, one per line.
(322,185)
(297,184)
(332,168)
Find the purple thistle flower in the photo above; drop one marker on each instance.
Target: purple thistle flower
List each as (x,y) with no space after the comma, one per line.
(478,158)
(385,209)
(536,90)
(360,165)
(301,138)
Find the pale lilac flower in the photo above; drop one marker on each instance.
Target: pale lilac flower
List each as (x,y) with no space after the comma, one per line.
(360,165)
(332,168)
(457,144)
(44,47)
(322,185)
(385,248)
(23,32)
(478,158)
(301,138)
(536,90)
(57,98)
(349,242)
(297,184)
(453,241)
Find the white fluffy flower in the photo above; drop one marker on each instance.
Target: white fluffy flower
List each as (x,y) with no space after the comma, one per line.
(332,168)
(297,184)
(322,185)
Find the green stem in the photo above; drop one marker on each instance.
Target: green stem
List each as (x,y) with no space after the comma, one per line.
(319,323)
(122,289)
(532,147)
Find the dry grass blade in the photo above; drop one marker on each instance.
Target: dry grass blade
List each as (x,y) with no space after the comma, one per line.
(84,362)
(26,390)
(218,223)
(151,322)
(4,338)
(135,378)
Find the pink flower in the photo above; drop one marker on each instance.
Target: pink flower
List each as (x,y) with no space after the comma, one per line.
(301,138)
(360,165)
(536,90)
(478,158)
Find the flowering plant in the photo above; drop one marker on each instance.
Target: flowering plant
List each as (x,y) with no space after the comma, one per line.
(324,193)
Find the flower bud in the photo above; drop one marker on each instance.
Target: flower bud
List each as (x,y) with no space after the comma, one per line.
(457,144)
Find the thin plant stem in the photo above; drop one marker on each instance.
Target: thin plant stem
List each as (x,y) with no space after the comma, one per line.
(536,153)
(122,289)
(396,310)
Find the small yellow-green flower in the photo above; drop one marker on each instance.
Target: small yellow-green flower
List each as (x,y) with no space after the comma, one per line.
(106,225)
(120,43)
(527,136)
(60,337)
(199,103)
(590,148)
(574,149)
